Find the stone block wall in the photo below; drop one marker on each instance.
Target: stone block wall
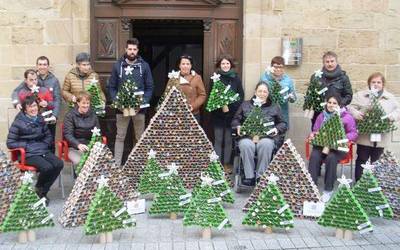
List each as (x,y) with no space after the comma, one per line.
(58,29)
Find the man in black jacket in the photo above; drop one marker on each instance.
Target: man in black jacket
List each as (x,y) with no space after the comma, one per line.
(130,63)
(334,79)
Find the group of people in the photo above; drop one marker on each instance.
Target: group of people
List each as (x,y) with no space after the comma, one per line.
(40,92)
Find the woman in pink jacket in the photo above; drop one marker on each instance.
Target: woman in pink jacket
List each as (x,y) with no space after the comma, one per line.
(333,102)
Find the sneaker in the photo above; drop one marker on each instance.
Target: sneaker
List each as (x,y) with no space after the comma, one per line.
(249,182)
(326,196)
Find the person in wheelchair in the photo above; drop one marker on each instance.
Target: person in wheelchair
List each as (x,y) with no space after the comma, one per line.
(333,102)
(266,145)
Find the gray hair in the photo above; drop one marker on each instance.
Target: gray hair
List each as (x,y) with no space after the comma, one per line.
(82,57)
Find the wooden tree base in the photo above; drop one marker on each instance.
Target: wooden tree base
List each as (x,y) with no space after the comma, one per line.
(132,112)
(339,233)
(23,237)
(125,112)
(206,233)
(173,216)
(31,235)
(103,238)
(268,230)
(225,109)
(348,235)
(325,150)
(256,139)
(109,237)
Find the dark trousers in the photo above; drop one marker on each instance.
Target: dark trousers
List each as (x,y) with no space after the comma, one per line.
(331,161)
(52,128)
(363,154)
(49,167)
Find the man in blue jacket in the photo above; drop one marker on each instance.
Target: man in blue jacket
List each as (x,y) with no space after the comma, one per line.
(144,81)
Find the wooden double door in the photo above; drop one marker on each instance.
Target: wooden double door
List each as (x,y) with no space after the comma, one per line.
(166,29)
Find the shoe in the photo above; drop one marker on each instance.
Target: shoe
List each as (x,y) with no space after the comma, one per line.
(41,194)
(326,196)
(249,182)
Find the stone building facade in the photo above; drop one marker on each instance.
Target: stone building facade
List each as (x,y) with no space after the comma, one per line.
(364,33)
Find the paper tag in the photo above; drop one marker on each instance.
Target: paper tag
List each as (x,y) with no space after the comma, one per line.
(235,97)
(40,202)
(284,90)
(185,196)
(138,93)
(380,213)
(375,137)
(380,207)
(222,224)
(365,230)
(342,141)
(162,175)
(146,105)
(286,97)
(322,90)
(322,104)
(384,117)
(269,124)
(343,149)
(47,218)
(116,214)
(130,220)
(47,113)
(184,202)
(136,206)
(377,189)
(218,182)
(214,200)
(313,209)
(227,88)
(274,130)
(282,209)
(288,222)
(364,225)
(225,192)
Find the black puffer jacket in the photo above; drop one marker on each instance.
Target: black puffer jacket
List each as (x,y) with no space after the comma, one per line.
(32,135)
(220,118)
(77,127)
(271,111)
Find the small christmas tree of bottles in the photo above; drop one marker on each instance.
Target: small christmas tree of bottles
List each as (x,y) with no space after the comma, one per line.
(96,101)
(332,135)
(270,209)
(106,213)
(220,184)
(256,125)
(387,171)
(172,191)
(128,98)
(221,96)
(205,209)
(44,111)
(345,213)
(375,122)
(150,182)
(278,95)
(315,95)
(27,212)
(96,137)
(370,195)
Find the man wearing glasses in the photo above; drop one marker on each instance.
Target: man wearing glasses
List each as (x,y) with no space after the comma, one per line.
(133,65)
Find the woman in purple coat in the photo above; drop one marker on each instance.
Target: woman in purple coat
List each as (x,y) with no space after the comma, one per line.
(333,102)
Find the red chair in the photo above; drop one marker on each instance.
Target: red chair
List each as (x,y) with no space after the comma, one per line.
(18,155)
(348,160)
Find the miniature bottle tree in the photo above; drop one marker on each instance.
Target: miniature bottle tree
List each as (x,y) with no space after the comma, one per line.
(150,182)
(270,210)
(370,195)
(96,102)
(314,97)
(375,121)
(128,99)
(27,212)
(256,125)
(10,180)
(106,213)
(205,209)
(44,111)
(278,95)
(220,184)
(344,212)
(168,200)
(96,137)
(387,171)
(332,135)
(173,81)
(294,182)
(221,96)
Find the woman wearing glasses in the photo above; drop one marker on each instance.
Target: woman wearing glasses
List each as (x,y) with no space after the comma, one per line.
(277,72)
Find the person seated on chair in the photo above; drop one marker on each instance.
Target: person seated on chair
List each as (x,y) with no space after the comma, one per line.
(266,145)
(333,103)
(78,123)
(29,131)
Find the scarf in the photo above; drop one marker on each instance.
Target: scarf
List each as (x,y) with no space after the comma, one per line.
(230,73)
(330,76)
(327,115)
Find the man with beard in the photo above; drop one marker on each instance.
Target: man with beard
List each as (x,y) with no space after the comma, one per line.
(335,80)
(130,63)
